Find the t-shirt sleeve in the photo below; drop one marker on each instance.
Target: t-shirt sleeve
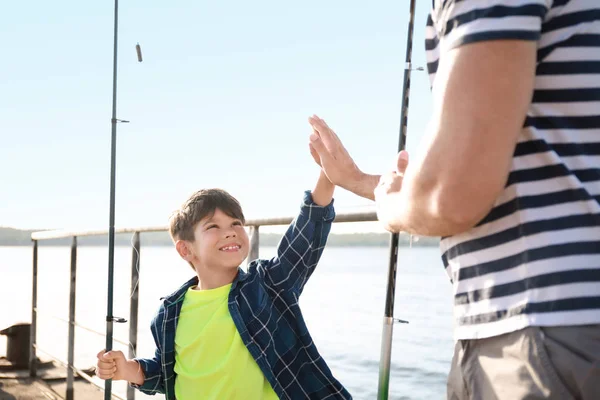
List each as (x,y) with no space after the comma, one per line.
(460,22)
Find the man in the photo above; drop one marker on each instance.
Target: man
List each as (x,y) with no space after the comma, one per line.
(508,175)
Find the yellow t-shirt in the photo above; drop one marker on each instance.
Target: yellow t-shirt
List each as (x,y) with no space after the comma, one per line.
(211,361)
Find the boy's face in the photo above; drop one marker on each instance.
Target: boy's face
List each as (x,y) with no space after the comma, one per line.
(221,242)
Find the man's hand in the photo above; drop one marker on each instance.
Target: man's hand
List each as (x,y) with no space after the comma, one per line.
(334,158)
(386,194)
(330,154)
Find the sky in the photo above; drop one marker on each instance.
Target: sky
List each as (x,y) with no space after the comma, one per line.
(221,100)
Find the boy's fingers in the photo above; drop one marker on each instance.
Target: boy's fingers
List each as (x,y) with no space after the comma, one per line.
(105,374)
(99,355)
(112,355)
(105,365)
(314,154)
(317,145)
(106,371)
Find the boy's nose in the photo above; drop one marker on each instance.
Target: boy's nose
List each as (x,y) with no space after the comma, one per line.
(230,233)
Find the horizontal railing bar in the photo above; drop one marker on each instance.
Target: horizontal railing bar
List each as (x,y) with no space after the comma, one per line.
(65,233)
(66,321)
(368,215)
(355,216)
(78,371)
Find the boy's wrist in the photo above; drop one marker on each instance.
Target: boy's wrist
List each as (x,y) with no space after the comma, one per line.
(135,374)
(323,191)
(315,212)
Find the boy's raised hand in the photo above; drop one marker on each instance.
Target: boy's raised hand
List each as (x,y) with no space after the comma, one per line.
(314,153)
(336,163)
(111,365)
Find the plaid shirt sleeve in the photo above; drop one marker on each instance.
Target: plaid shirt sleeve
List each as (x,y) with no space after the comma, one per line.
(151,367)
(301,247)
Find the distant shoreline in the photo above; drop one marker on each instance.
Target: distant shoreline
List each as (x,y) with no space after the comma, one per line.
(16,237)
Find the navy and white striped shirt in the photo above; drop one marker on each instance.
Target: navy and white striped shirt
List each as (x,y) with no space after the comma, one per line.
(535,259)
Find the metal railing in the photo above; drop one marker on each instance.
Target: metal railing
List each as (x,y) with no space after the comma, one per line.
(365,215)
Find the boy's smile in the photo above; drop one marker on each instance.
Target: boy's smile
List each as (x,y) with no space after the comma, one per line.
(230,248)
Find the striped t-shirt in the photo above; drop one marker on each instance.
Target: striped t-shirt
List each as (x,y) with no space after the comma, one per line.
(535,259)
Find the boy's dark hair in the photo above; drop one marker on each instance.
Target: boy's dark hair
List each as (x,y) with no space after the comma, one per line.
(202,204)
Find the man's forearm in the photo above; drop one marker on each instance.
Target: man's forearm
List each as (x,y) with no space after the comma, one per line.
(322,194)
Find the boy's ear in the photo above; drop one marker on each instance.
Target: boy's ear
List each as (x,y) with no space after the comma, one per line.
(184,250)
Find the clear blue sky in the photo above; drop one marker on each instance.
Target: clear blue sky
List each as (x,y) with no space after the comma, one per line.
(221,100)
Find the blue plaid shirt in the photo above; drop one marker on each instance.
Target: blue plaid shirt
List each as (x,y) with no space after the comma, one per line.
(264,307)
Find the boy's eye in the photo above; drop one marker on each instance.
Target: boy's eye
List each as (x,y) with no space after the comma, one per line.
(211,226)
(237,223)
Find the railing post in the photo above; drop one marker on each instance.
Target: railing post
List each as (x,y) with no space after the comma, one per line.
(254,243)
(71,348)
(32,339)
(133,304)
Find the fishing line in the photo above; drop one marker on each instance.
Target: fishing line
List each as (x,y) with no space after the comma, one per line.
(137,266)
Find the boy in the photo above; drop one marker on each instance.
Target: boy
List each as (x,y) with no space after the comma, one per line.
(228,334)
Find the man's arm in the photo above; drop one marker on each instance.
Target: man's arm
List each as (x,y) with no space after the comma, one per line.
(301,247)
(482,92)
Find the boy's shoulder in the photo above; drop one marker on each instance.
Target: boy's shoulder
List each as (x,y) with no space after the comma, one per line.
(173,298)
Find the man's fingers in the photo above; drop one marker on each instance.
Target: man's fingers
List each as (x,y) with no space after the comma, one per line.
(402,161)
(329,138)
(331,131)
(384,179)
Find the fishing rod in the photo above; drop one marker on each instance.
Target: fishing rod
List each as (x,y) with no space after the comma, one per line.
(110,319)
(388,318)
(111,226)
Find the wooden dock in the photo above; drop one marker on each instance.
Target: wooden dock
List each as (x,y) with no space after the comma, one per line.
(49,385)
